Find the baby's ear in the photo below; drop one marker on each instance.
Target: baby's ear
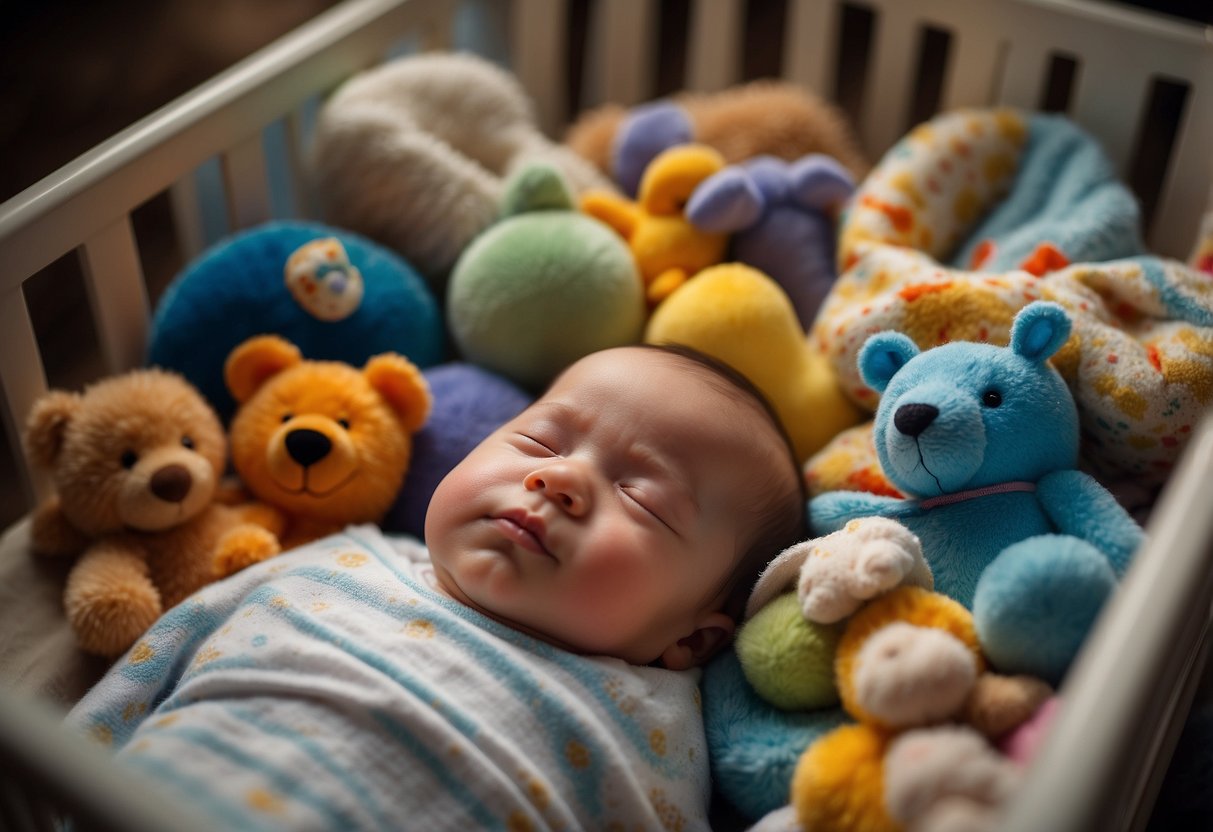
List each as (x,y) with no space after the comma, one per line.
(710,636)
(882,355)
(402,386)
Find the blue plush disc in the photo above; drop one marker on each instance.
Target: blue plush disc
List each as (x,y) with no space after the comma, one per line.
(237,289)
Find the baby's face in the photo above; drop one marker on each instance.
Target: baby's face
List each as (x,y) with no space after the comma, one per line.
(607,515)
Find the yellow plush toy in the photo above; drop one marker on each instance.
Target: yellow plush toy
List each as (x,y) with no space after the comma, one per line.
(739,315)
(908,663)
(667,248)
(324,443)
(136,460)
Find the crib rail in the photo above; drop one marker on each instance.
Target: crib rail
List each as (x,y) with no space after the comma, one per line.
(86,205)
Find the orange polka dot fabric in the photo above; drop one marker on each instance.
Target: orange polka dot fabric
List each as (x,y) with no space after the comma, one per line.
(1140,359)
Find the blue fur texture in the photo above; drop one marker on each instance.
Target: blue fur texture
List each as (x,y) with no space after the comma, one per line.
(236,290)
(966,416)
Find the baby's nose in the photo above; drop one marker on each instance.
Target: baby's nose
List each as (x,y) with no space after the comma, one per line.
(563,484)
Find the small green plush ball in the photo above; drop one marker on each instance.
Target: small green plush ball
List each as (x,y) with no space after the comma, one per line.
(541,289)
(789,661)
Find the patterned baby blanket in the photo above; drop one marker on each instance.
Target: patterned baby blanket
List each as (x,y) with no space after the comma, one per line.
(977,213)
(333,688)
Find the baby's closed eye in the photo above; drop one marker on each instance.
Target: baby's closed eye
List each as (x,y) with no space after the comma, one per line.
(647,502)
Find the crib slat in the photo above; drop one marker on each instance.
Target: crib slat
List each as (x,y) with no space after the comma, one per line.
(113,276)
(625,55)
(811,44)
(714,45)
(1023,74)
(975,59)
(537,52)
(890,77)
(1108,98)
(187,216)
(24,381)
(246,179)
(1188,191)
(303,202)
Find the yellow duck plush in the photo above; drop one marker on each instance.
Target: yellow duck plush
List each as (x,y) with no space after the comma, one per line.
(741,316)
(667,248)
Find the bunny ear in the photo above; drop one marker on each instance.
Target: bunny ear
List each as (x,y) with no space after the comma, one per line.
(1039,330)
(725,202)
(882,355)
(820,183)
(646,131)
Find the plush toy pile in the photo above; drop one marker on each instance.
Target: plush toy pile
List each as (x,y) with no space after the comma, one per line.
(954,339)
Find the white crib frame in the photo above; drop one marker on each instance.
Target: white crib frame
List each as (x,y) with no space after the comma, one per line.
(1133,684)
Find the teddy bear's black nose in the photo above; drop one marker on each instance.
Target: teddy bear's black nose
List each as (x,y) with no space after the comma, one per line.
(913,419)
(307,446)
(171,483)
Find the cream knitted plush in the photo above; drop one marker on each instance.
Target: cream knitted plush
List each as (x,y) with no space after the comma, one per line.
(413,154)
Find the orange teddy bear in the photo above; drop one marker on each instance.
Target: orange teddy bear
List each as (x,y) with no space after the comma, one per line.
(323,443)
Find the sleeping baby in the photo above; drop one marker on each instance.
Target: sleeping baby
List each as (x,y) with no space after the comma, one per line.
(531,667)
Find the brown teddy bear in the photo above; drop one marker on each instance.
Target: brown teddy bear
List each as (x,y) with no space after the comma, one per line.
(324,443)
(770,117)
(135,460)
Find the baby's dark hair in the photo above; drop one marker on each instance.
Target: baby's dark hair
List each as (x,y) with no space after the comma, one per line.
(781,520)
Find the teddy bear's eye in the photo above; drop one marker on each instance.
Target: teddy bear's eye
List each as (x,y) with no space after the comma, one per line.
(286,417)
(345,423)
(187,442)
(129,458)
(991,398)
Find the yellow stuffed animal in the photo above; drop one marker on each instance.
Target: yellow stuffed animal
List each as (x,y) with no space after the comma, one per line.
(739,315)
(667,248)
(322,442)
(136,460)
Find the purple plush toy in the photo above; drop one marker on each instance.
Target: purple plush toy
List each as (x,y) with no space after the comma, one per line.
(782,217)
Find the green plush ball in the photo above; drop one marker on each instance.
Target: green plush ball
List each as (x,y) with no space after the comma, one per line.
(541,289)
(789,661)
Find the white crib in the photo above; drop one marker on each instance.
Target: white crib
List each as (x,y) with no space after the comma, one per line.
(889,63)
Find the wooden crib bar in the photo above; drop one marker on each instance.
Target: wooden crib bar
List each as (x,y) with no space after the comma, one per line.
(86,205)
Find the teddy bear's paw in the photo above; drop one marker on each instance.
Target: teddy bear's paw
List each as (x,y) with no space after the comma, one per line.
(241,547)
(907,676)
(1036,602)
(109,608)
(868,556)
(946,777)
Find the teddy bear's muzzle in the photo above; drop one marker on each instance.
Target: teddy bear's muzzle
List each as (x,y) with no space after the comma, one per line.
(172,483)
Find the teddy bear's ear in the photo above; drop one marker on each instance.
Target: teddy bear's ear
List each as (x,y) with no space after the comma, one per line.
(403,387)
(256,360)
(882,355)
(1039,330)
(47,424)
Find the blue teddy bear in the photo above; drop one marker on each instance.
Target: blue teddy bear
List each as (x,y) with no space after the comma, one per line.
(986,440)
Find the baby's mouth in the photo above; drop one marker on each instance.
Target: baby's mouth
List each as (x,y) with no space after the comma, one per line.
(527,530)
